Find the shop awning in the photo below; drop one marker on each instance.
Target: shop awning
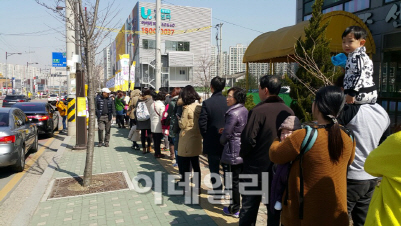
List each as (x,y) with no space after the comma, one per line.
(275,46)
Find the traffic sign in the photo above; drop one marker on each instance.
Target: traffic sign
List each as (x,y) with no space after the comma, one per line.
(59,59)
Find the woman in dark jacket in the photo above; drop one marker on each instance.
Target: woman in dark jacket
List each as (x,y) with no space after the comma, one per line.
(235,121)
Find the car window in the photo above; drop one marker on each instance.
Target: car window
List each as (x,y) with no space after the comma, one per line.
(31,107)
(18,119)
(53,95)
(21,116)
(4,119)
(14,97)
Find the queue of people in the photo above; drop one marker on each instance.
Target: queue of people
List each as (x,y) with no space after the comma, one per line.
(308,185)
(312,174)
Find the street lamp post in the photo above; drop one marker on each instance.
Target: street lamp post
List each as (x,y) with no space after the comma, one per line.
(7,55)
(31,83)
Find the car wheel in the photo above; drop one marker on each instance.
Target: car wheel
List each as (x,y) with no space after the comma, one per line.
(20,165)
(35,145)
(50,133)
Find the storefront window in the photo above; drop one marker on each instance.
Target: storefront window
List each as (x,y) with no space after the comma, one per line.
(391,74)
(357,5)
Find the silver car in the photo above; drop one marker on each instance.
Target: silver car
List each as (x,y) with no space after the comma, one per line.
(17,137)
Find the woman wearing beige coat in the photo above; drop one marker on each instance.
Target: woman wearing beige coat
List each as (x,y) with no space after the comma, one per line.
(190,141)
(135,94)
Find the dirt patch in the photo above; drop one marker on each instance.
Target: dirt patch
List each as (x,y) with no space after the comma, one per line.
(66,187)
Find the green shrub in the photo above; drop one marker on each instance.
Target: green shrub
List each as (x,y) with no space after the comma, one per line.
(249,104)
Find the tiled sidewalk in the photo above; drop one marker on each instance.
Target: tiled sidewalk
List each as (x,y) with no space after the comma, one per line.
(127,207)
(120,207)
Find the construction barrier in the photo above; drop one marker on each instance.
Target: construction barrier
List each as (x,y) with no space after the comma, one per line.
(71,110)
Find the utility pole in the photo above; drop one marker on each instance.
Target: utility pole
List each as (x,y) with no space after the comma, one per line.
(70,51)
(158,51)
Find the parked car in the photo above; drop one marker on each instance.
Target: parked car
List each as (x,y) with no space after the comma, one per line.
(42,114)
(52,97)
(17,136)
(10,100)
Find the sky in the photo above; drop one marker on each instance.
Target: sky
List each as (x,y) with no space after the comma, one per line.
(31,29)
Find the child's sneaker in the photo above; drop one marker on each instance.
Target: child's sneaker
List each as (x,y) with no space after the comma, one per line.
(227,212)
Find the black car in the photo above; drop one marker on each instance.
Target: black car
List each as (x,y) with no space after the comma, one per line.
(10,100)
(42,114)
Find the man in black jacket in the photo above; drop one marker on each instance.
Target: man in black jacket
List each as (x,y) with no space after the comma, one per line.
(211,120)
(261,129)
(105,110)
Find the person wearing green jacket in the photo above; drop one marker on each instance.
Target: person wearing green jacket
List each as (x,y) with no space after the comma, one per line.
(120,103)
(385,161)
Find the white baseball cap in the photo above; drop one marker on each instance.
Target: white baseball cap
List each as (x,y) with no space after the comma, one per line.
(106,90)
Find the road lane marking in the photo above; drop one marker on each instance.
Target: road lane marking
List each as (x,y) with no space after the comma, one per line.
(11,184)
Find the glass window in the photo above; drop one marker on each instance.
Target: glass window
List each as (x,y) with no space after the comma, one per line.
(356,5)
(308,7)
(4,119)
(330,2)
(31,107)
(145,43)
(334,8)
(148,44)
(307,17)
(387,1)
(179,73)
(186,46)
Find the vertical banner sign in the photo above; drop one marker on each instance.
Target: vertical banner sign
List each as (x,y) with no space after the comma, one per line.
(124,61)
(132,74)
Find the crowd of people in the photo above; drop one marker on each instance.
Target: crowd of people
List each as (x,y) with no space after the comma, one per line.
(314,172)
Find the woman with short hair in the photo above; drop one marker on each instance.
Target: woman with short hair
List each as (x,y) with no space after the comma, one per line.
(235,121)
(190,144)
(156,113)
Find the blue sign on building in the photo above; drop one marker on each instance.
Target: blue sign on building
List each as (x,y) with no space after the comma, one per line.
(59,59)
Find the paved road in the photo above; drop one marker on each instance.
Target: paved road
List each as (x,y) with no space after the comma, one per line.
(9,179)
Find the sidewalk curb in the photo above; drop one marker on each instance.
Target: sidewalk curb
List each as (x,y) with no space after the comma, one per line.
(33,201)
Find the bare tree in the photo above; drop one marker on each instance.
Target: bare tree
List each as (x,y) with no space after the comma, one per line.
(309,64)
(88,21)
(204,76)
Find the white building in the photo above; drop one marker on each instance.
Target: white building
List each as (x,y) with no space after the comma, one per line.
(236,54)
(107,63)
(214,62)
(185,39)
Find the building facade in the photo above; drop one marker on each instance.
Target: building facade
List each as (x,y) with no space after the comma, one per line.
(383,18)
(107,71)
(235,55)
(185,42)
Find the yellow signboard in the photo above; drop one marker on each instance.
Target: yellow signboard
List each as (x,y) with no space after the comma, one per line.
(81,106)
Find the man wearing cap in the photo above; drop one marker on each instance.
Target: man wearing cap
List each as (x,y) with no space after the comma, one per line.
(105,110)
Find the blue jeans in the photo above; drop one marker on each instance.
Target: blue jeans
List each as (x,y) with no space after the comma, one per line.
(64,123)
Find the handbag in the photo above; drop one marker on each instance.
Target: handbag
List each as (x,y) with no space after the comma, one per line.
(134,134)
